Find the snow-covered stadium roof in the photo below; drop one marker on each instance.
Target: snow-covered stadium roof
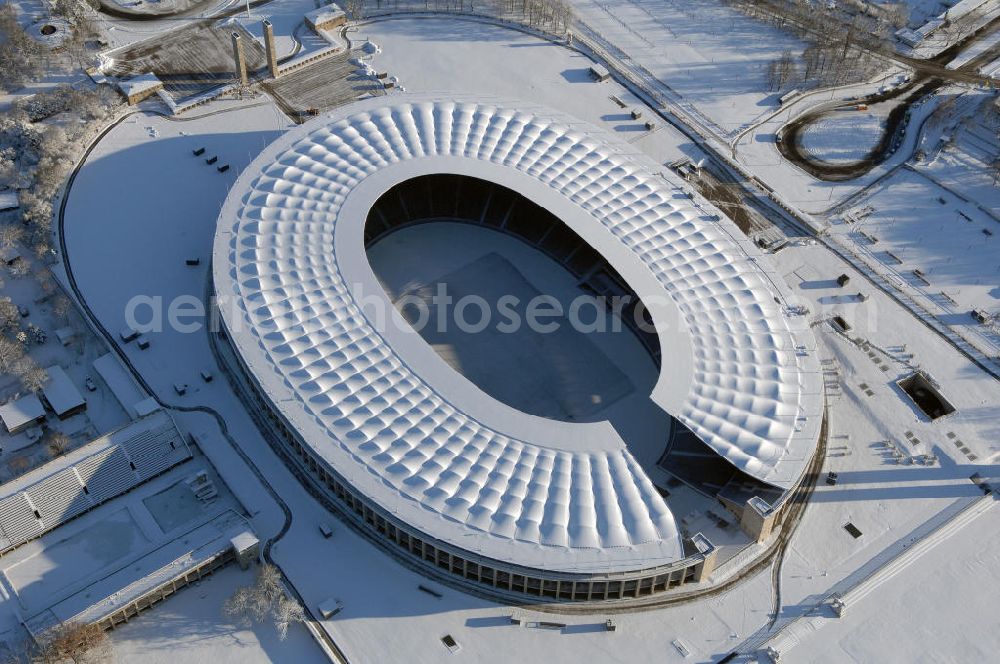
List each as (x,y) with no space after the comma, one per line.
(375,401)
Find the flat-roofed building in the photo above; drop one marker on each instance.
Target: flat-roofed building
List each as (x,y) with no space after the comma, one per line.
(140,87)
(61,394)
(20,414)
(326,18)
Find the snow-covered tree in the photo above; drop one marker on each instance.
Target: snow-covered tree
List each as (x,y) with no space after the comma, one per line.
(9,315)
(32,376)
(10,234)
(57,443)
(266,597)
(10,352)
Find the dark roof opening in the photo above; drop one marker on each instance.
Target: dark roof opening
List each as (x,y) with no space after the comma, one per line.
(921,390)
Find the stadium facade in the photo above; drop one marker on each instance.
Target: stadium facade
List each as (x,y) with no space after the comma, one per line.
(429,465)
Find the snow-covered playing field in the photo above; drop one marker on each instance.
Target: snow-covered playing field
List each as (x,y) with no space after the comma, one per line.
(574,376)
(843,137)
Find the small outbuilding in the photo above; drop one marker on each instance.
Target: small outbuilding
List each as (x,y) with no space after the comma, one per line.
(246,548)
(140,87)
(65,335)
(326,18)
(9,200)
(22,413)
(599,72)
(9,255)
(61,394)
(146,407)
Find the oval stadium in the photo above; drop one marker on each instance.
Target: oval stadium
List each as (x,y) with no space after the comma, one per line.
(568,489)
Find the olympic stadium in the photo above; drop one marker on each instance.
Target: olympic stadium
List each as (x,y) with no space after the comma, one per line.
(440,469)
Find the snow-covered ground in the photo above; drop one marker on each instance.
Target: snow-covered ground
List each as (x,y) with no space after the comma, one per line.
(891,503)
(918,225)
(481,59)
(927,612)
(964,163)
(191,629)
(967,175)
(844,137)
(716,58)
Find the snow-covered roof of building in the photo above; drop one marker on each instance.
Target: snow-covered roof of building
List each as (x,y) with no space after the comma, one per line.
(244,541)
(65,335)
(9,254)
(60,391)
(139,84)
(121,383)
(19,412)
(739,367)
(324,15)
(9,200)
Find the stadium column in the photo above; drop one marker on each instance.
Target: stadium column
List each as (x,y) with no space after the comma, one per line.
(272,56)
(241,63)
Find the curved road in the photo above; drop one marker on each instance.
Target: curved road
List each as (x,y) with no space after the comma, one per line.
(926,82)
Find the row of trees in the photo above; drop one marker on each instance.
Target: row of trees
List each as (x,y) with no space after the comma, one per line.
(842,47)
(35,159)
(782,70)
(555,16)
(22,59)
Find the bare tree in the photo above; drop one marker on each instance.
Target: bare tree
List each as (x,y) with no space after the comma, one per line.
(896,14)
(19,53)
(57,443)
(782,70)
(286,612)
(266,597)
(10,235)
(355,9)
(18,464)
(33,377)
(74,642)
(9,314)
(61,306)
(10,352)
(20,267)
